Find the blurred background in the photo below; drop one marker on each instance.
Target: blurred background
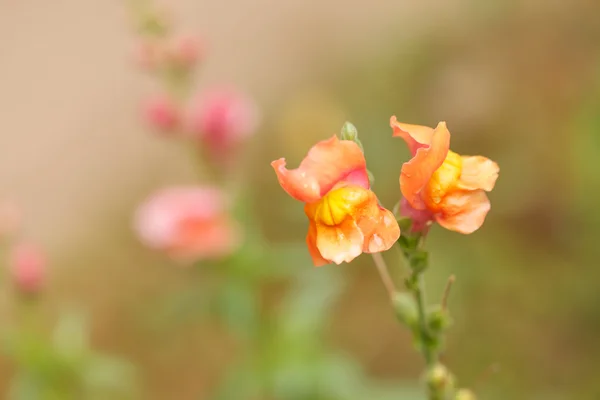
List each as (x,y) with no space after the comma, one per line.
(516,81)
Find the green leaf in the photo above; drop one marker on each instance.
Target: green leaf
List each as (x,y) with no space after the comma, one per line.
(70,337)
(308,305)
(406,310)
(24,387)
(339,377)
(109,377)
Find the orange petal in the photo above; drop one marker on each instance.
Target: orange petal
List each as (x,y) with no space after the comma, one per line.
(464,211)
(340,243)
(380,229)
(415,136)
(329,162)
(311,243)
(417,172)
(478,173)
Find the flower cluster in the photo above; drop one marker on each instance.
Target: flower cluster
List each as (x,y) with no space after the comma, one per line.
(218,119)
(190,223)
(345,218)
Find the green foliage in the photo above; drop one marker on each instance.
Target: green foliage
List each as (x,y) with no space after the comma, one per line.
(66,367)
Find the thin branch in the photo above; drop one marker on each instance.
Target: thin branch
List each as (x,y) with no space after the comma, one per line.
(446,294)
(385,274)
(419,293)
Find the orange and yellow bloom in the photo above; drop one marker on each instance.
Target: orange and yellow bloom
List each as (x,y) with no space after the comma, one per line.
(448,186)
(345,218)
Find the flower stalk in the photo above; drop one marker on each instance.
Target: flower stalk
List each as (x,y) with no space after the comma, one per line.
(427,323)
(425,337)
(387,280)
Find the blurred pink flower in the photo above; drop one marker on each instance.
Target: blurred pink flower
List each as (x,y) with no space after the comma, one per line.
(421,219)
(162,113)
(221,118)
(184,51)
(188,223)
(28,268)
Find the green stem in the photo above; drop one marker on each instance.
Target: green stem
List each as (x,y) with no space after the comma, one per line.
(382,268)
(425,336)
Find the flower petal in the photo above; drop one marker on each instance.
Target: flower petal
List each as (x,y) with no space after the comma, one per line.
(417,172)
(478,173)
(340,243)
(380,229)
(188,223)
(209,239)
(415,136)
(328,163)
(464,211)
(311,243)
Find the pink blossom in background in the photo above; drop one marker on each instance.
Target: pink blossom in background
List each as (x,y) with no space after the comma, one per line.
(421,219)
(184,51)
(28,268)
(188,223)
(221,118)
(162,113)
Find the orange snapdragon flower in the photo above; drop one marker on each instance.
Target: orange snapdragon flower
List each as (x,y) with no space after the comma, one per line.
(345,218)
(449,186)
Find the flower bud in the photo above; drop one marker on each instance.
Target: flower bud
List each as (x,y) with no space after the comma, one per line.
(184,52)
(221,119)
(162,113)
(28,268)
(406,309)
(438,319)
(349,132)
(465,394)
(439,380)
(155,21)
(188,223)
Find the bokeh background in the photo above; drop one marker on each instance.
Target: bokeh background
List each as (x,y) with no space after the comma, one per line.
(517,81)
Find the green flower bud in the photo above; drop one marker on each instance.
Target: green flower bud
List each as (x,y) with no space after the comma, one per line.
(440,381)
(438,319)
(465,394)
(406,310)
(349,132)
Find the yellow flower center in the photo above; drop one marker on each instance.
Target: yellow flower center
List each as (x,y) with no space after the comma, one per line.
(442,180)
(337,205)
